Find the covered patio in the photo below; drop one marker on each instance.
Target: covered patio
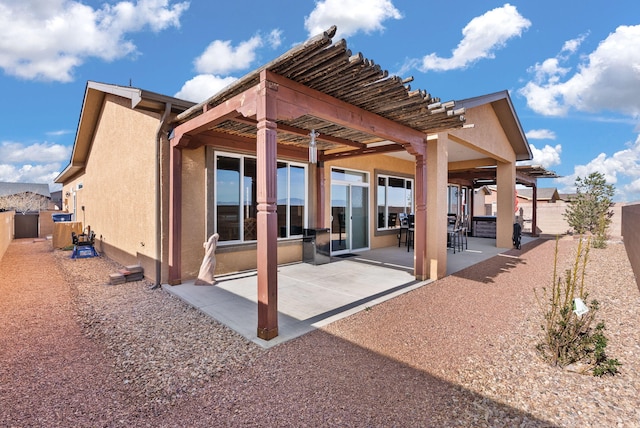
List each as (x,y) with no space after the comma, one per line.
(312,296)
(355,109)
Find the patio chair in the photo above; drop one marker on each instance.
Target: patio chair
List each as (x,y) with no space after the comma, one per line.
(454,233)
(464,232)
(404,226)
(393,217)
(410,231)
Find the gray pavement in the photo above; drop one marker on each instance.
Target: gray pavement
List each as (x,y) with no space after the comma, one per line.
(310,296)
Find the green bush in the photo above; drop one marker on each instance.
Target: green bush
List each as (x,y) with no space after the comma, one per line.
(568,338)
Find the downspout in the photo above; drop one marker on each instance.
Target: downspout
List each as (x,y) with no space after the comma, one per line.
(163,120)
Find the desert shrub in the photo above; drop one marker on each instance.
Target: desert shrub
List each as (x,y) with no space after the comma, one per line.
(568,336)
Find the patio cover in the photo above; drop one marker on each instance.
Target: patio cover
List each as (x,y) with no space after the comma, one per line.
(355,106)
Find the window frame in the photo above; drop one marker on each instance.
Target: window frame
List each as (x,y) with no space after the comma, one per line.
(387,176)
(212,205)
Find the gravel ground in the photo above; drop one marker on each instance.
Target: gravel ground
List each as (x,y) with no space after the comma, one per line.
(75,351)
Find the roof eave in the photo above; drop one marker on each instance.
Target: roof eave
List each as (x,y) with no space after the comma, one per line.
(90,111)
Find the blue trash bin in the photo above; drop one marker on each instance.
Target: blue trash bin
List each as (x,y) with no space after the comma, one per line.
(61,217)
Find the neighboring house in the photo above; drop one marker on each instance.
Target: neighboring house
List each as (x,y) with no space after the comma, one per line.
(24,197)
(155,176)
(56,199)
(27,200)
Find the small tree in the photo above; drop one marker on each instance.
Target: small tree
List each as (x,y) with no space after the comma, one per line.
(589,211)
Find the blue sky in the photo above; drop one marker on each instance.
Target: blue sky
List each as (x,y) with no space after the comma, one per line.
(572,67)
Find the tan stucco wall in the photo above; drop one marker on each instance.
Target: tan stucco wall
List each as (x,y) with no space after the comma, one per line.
(193,211)
(46,223)
(552,222)
(242,258)
(6,230)
(118,185)
(486,136)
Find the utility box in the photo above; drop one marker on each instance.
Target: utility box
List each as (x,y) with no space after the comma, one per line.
(316,246)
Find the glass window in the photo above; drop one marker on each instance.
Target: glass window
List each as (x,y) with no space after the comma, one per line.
(236,200)
(395,197)
(453,200)
(349,176)
(228,198)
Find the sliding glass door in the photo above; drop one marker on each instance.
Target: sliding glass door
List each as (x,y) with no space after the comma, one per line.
(349,211)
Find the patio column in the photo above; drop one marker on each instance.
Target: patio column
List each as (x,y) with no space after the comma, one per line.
(175,214)
(437,178)
(421,269)
(267,245)
(506,181)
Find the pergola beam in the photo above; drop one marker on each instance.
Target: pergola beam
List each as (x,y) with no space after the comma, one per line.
(305,133)
(296,100)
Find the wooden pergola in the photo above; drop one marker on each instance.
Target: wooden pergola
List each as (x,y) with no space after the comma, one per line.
(354,105)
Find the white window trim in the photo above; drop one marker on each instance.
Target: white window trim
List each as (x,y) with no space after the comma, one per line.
(217,153)
(386,205)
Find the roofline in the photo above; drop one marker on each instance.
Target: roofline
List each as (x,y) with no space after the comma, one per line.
(91,106)
(510,123)
(41,189)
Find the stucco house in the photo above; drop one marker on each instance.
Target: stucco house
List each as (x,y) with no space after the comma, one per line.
(318,138)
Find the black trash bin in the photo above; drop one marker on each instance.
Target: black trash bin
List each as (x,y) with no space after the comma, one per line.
(316,246)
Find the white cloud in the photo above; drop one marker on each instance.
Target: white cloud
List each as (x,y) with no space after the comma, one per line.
(622,166)
(220,58)
(632,190)
(572,45)
(541,134)
(44,173)
(350,16)
(482,36)
(547,156)
(274,39)
(12,152)
(606,79)
(46,40)
(202,87)
(59,132)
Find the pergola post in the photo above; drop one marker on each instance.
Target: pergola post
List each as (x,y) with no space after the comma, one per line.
(421,269)
(267,216)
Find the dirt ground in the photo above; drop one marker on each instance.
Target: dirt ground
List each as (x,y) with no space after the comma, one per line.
(456,353)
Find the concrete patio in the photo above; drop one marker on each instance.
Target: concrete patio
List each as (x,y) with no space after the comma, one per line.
(311,296)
